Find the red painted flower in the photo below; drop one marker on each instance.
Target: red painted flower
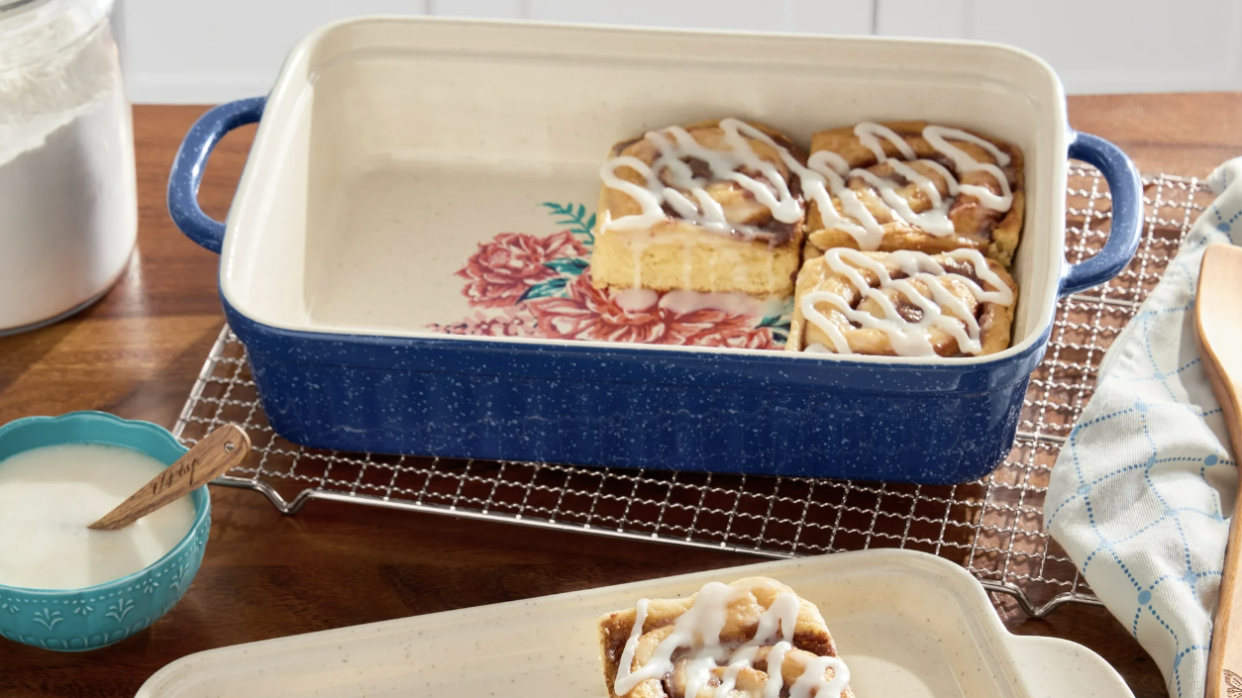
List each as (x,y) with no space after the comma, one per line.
(589,313)
(511,322)
(750,338)
(503,269)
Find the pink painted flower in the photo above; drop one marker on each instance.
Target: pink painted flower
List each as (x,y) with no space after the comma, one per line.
(514,321)
(749,338)
(591,314)
(508,325)
(506,267)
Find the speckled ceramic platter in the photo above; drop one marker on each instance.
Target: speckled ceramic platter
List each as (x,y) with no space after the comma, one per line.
(908,624)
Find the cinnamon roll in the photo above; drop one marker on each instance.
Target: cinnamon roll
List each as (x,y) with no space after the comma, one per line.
(711,207)
(902,303)
(914,186)
(753,637)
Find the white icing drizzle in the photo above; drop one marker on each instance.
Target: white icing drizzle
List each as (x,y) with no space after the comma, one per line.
(675,145)
(935,220)
(700,625)
(859,223)
(729,680)
(636,300)
(867,132)
(908,338)
(936,136)
(699,629)
(637,248)
(683,301)
(812,683)
(824,177)
(827,174)
(627,654)
(776,665)
(687,265)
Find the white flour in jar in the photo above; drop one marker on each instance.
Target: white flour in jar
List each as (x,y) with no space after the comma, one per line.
(68,205)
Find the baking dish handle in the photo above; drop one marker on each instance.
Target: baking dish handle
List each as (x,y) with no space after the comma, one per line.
(191,160)
(1126,190)
(1050,667)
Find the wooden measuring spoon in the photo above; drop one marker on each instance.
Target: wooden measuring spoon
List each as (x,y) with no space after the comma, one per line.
(1218,315)
(217,452)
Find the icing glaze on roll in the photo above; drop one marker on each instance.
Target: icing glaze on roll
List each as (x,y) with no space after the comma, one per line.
(855,219)
(909,321)
(696,638)
(677,181)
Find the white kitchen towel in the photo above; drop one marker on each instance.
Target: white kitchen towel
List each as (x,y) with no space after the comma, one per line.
(1143,490)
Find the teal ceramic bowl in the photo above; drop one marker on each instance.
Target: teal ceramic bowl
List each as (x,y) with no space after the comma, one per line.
(73,620)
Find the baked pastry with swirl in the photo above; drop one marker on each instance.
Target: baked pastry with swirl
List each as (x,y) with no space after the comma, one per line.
(754,637)
(711,207)
(915,186)
(903,303)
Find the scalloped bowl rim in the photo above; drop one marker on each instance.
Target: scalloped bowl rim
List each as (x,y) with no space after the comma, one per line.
(202,513)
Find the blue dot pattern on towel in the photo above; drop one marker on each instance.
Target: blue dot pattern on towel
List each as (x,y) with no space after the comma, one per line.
(1135,497)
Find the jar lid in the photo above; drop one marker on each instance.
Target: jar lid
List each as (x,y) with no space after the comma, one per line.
(10,5)
(33,29)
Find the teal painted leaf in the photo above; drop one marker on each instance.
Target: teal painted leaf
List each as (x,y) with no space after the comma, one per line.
(572,266)
(576,219)
(778,323)
(551,287)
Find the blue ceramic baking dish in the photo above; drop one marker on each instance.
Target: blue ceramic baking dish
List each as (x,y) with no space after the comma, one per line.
(382,262)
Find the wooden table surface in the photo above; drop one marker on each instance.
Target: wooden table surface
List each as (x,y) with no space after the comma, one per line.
(265,575)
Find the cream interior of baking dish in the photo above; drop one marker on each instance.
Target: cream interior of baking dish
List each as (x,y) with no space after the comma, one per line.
(391,147)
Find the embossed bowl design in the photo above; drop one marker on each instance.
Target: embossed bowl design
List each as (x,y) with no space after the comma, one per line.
(72,620)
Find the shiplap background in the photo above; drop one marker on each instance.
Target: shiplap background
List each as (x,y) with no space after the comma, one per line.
(190,51)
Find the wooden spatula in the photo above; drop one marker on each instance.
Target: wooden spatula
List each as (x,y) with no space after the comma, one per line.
(217,452)
(1218,315)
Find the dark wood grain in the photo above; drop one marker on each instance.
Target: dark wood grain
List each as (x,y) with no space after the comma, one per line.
(1185,134)
(138,351)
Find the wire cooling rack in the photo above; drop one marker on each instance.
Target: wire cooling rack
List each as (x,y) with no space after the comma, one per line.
(992,527)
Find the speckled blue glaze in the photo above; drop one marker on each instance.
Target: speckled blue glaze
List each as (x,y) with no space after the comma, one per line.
(74,620)
(635,407)
(632,407)
(1125,186)
(187,170)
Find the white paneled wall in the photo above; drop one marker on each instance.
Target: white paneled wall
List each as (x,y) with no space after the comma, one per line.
(485,9)
(1095,45)
(194,51)
(817,16)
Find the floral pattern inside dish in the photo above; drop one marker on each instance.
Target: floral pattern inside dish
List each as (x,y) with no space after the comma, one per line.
(527,285)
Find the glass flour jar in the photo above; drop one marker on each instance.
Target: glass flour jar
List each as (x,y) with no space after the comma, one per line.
(68,200)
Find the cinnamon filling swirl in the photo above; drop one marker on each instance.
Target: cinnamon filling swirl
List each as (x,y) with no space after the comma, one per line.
(753,637)
(903,303)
